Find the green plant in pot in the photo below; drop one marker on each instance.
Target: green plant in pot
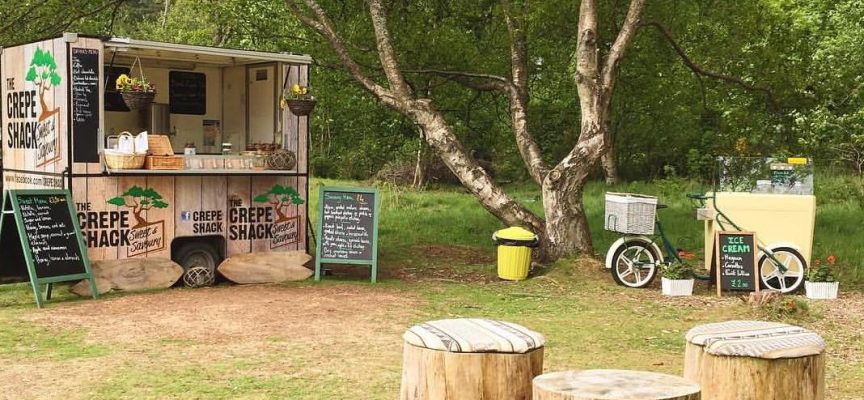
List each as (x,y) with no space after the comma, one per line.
(677,278)
(821,282)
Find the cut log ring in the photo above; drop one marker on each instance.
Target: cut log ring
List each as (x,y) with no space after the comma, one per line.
(613,384)
(755,360)
(467,359)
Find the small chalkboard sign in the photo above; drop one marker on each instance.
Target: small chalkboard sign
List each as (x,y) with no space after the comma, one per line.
(50,237)
(348,228)
(782,174)
(735,258)
(85,104)
(187,92)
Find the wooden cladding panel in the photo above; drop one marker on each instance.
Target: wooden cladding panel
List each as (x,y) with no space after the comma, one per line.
(187,198)
(98,190)
(44,156)
(162,218)
(258,227)
(238,192)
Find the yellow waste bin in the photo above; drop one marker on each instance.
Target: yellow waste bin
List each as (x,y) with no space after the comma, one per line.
(514,252)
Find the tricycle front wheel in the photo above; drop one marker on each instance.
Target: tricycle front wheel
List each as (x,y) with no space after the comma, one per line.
(634,264)
(786,278)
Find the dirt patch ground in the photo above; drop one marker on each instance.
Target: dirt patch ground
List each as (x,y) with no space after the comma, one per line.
(277,327)
(464,264)
(223,314)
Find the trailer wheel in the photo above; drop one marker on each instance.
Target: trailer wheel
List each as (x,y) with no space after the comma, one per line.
(197,254)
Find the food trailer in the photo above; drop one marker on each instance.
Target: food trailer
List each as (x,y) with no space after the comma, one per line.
(59,108)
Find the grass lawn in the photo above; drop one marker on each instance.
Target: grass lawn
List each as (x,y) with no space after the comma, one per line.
(342,338)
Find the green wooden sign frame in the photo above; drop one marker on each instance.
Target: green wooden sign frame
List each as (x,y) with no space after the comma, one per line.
(11,206)
(377,206)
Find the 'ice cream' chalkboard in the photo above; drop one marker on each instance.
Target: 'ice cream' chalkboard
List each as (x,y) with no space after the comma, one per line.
(736,261)
(348,228)
(50,238)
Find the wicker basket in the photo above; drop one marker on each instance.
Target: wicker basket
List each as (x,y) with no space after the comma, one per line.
(630,213)
(159,145)
(116,160)
(138,100)
(165,162)
(300,107)
(124,161)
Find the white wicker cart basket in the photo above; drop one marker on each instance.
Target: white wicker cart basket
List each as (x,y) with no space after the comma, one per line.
(630,213)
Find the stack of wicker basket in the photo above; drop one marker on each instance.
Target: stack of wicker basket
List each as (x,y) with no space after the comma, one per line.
(162,154)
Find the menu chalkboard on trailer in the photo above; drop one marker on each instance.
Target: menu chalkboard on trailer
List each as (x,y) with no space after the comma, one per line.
(187,92)
(85,104)
(49,236)
(348,228)
(735,258)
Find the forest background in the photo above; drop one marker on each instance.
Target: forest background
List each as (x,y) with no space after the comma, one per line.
(793,69)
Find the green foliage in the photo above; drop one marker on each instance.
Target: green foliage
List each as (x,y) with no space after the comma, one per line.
(117,201)
(820,272)
(43,70)
(676,270)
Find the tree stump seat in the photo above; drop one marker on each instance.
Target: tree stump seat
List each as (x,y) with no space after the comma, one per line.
(613,384)
(456,359)
(755,360)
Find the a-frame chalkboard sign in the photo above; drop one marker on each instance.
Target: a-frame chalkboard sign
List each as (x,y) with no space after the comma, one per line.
(348,228)
(50,238)
(735,259)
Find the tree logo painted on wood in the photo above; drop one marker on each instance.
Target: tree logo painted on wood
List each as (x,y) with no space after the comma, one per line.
(144,236)
(43,74)
(280,197)
(32,124)
(285,229)
(139,200)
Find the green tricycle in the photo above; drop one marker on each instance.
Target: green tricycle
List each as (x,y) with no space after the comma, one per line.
(635,258)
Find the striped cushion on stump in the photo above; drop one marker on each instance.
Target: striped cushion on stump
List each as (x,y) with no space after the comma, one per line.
(472,335)
(758,339)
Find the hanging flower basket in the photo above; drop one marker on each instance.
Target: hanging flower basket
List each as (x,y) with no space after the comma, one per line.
(138,100)
(137,93)
(300,107)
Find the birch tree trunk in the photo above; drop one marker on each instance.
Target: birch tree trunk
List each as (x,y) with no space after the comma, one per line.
(565,229)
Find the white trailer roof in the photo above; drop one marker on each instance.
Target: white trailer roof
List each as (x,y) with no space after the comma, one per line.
(131,48)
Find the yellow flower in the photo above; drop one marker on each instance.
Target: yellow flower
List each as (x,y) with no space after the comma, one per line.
(282,104)
(123,79)
(296,89)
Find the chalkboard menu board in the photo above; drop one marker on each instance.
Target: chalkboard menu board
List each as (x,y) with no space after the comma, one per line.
(85,104)
(348,227)
(735,258)
(782,174)
(50,238)
(187,92)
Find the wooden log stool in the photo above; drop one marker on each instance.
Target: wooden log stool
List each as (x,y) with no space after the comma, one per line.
(613,384)
(468,358)
(755,360)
